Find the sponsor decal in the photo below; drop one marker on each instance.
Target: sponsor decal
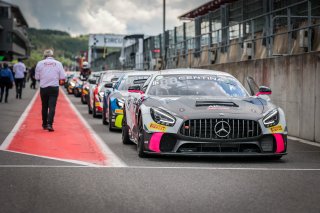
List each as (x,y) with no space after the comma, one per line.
(276,129)
(214,107)
(50,64)
(119,111)
(157,127)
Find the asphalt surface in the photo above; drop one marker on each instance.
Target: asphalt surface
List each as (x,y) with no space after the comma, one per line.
(165,184)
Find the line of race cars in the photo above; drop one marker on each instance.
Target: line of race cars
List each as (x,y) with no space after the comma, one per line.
(185,112)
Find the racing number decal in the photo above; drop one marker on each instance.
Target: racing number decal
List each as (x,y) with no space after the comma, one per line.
(276,129)
(157,127)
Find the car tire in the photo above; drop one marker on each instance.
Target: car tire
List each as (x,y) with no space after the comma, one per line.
(94,112)
(104,120)
(111,129)
(125,132)
(83,101)
(140,145)
(89,109)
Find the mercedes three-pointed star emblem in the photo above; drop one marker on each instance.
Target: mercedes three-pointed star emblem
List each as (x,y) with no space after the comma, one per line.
(222,129)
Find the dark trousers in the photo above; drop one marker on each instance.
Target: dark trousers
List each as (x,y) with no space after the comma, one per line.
(19,85)
(4,88)
(33,83)
(49,96)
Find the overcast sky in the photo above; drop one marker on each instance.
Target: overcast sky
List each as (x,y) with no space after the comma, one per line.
(104,16)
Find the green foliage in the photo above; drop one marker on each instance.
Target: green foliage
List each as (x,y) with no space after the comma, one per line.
(65,47)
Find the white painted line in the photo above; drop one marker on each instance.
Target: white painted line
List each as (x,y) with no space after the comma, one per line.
(304,141)
(227,168)
(57,159)
(165,168)
(6,143)
(112,159)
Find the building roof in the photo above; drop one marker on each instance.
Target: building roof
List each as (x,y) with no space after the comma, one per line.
(204,9)
(17,9)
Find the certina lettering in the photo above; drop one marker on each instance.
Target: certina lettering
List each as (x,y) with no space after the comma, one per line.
(175,80)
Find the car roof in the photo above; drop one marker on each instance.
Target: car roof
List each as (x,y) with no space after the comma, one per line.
(193,72)
(134,73)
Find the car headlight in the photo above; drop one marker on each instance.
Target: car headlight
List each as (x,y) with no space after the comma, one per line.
(271,119)
(120,103)
(162,117)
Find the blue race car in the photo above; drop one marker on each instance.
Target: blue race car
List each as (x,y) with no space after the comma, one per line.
(115,96)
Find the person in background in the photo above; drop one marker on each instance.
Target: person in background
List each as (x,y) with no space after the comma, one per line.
(19,70)
(6,82)
(32,73)
(85,71)
(49,71)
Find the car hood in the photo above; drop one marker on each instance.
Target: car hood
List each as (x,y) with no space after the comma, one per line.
(190,107)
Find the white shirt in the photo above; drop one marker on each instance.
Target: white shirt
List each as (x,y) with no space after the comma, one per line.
(49,71)
(19,69)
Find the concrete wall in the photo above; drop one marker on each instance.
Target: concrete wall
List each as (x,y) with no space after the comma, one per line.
(295,82)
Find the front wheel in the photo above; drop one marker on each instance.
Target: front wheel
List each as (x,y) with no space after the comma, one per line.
(94,110)
(104,120)
(111,129)
(125,132)
(140,145)
(83,99)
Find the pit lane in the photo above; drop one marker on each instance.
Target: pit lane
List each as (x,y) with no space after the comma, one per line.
(32,184)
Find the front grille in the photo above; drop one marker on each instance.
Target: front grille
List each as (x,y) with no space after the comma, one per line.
(208,129)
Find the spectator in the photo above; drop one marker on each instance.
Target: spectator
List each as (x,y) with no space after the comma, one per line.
(19,70)
(32,73)
(49,71)
(6,82)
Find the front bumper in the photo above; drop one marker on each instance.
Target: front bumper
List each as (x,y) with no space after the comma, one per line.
(175,144)
(116,118)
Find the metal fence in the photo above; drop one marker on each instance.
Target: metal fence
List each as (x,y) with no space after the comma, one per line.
(243,30)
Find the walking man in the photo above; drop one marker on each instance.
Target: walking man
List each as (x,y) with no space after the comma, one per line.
(6,82)
(49,71)
(19,70)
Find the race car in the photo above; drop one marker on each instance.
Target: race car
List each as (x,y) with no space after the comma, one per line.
(95,103)
(72,83)
(113,99)
(202,112)
(91,82)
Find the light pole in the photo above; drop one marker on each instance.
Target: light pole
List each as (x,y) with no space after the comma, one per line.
(164,33)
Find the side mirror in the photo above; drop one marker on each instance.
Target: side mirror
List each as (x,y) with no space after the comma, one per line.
(140,81)
(108,85)
(114,80)
(135,89)
(264,91)
(92,81)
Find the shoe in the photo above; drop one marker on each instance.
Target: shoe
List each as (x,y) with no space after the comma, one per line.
(49,128)
(44,126)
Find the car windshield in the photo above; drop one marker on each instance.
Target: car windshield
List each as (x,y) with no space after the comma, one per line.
(108,77)
(202,85)
(127,81)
